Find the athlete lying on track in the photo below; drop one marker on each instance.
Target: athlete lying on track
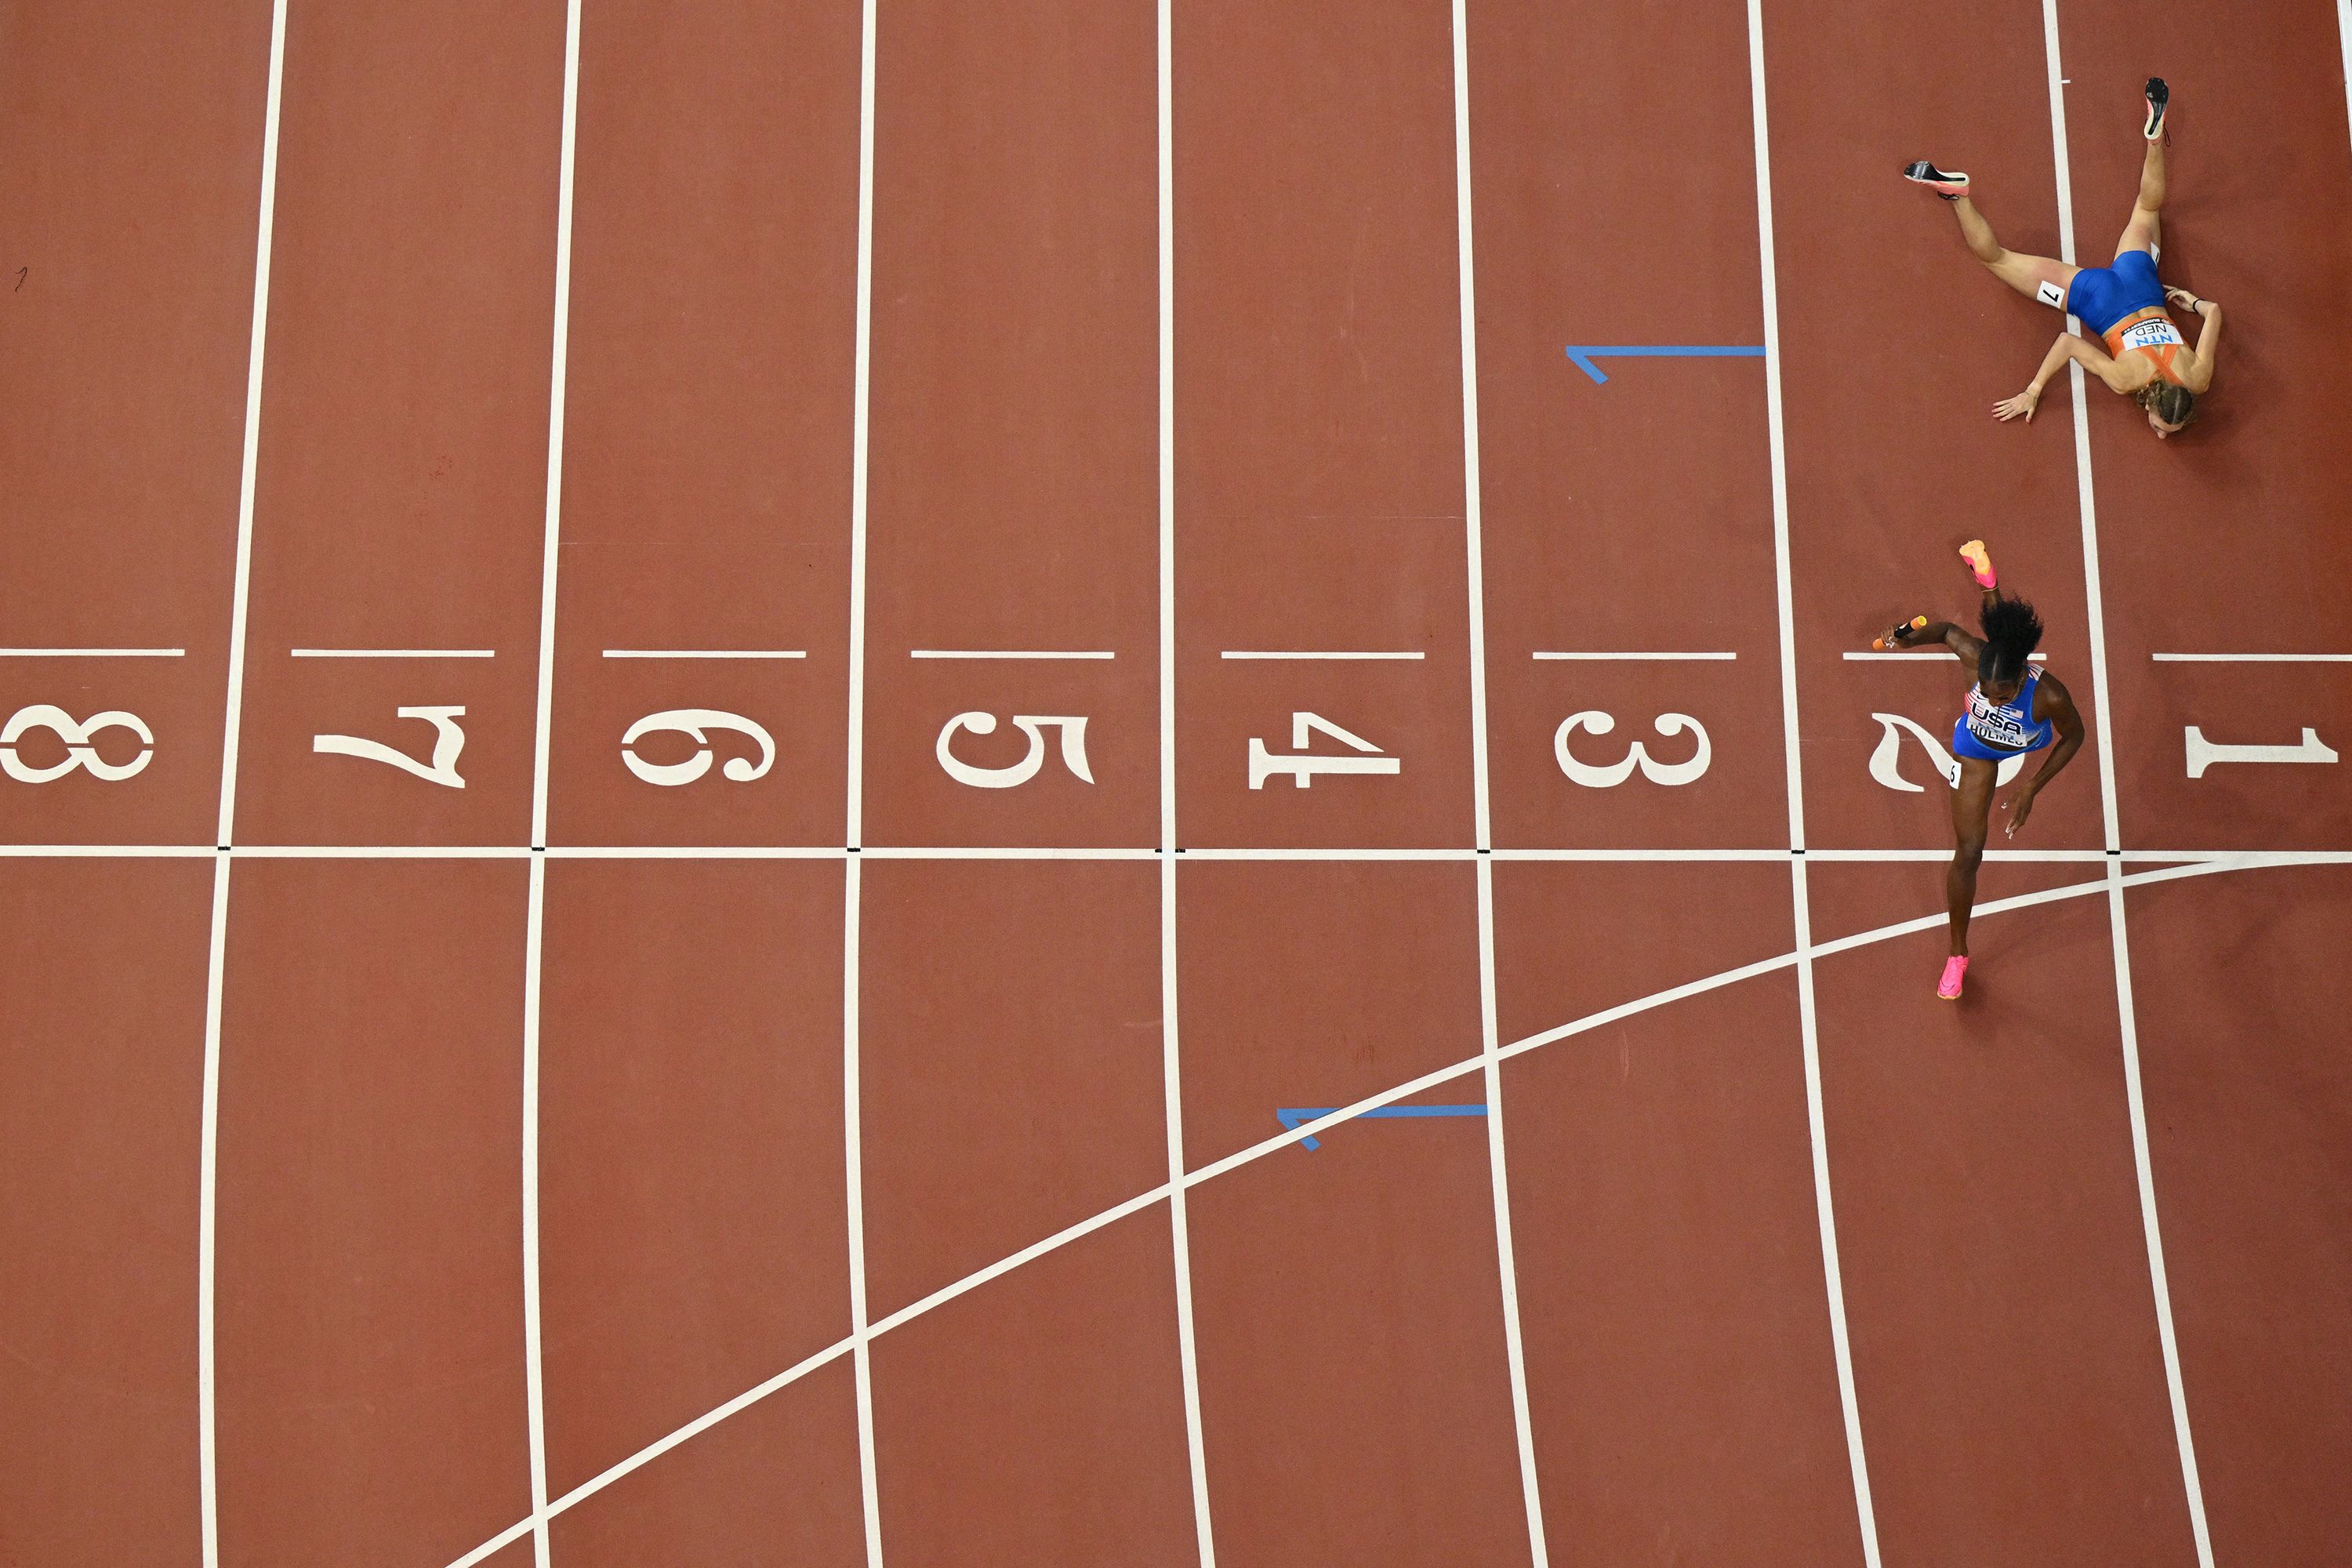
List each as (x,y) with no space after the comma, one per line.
(2012,709)
(2146,358)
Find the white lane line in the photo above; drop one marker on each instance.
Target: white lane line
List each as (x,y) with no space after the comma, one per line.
(1800,891)
(1549,656)
(2253,657)
(1305,653)
(2344,42)
(1474,547)
(207,1212)
(854,811)
(1318,1128)
(394,652)
(1914,653)
(93,653)
(854,1164)
(241,599)
(705,653)
(860,410)
(2094,605)
(535,922)
(1171,1064)
(534,1387)
(1008,653)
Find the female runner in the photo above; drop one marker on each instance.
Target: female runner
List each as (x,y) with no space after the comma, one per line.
(2146,358)
(2013,708)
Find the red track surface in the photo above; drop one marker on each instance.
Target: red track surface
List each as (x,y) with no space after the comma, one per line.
(578,1168)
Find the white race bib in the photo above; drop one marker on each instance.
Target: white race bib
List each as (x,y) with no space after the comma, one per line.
(2153,333)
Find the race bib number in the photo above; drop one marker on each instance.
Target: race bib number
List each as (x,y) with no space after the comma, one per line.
(2152,335)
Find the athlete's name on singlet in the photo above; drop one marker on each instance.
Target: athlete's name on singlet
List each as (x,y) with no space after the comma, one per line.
(2153,333)
(1997,725)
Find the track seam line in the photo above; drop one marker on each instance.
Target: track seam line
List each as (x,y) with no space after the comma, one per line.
(854,811)
(2127,1014)
(233,720)
(1799,890)
(1320,1127)
(1171,1062)
(1474,574)
(542,717)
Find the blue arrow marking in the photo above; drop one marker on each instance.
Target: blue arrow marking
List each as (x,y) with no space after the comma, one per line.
(1294,1116)
(1583,355)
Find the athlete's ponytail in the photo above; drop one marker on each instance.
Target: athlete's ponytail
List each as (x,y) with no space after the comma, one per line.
(2011,632)
(2172,404)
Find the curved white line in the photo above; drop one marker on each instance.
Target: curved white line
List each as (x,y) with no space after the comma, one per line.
(1322,1124)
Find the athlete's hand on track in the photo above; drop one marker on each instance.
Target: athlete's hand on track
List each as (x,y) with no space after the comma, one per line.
(2184,299)
(2011,407)
(2021,806)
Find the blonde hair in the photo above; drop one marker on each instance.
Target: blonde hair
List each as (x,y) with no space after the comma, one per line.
(2173,404)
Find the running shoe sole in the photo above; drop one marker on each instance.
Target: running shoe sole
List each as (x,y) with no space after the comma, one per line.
(2159,97)
(1950,185)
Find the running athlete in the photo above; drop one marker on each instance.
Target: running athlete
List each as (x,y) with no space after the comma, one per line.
(2146,358)
(2012,709)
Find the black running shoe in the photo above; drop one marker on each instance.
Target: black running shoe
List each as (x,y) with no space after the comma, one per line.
(2158,97)
(1950,185)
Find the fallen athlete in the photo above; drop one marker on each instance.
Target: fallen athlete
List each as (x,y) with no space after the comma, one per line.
(2145,357)
(2012,709)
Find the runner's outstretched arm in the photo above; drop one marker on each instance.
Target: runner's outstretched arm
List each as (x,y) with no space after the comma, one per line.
(2058,706)
(2069,346)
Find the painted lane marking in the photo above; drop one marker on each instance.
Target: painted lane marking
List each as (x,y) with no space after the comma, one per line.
(1294,1116)
(448,741)
(2252,657)
(1008,653)
(2234,860)
(392,653)
(93,653)
(1551,656)
(1931,653)
(705,653)
(1583,355)
(1303,765)
(1264,654)
(2203,754)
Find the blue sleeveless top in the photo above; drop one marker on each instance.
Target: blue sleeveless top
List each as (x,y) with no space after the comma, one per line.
(2008,726)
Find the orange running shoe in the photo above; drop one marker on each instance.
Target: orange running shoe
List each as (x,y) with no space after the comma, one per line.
(1979,563)
(1955,968)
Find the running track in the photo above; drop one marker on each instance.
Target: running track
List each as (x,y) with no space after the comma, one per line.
(596,1165)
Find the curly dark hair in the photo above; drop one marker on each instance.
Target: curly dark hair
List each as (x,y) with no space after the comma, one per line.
(2011,632)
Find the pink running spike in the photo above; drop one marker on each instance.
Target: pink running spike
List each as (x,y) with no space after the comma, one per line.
(1979,563)
(1955,968)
